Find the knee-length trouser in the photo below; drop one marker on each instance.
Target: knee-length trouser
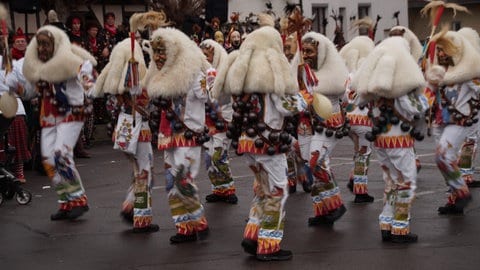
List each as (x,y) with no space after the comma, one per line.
(57,145)
(468,151)
(449,140)
(217,164)
(267,215)
(400,177)
(325,191)
(182,165)
(361,160)
(138,197)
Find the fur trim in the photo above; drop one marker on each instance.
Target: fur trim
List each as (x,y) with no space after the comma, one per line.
(466,60)
(185,61)
(332,71)
(259,67)
(413,41)
(265,19)
(218,91)
(471,35)
(64,64)
(435,74)
(219,54)
(388,71)
(355,50)
(112,78)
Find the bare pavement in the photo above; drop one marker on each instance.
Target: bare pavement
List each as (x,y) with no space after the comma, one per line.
(101,240)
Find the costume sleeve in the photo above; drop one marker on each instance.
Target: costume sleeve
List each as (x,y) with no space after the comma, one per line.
(411,105)
(289,104)
(199,88)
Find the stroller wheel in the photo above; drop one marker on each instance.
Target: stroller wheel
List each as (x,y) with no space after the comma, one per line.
(23,197)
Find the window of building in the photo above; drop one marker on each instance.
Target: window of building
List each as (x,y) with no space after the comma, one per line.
(320,19)
(456,25)
(363,10)
(342,13)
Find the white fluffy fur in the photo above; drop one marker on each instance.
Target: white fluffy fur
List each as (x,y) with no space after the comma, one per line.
(415,45)
(219,55)
(64,64)
(472,36)
(332,71)
(112,78)
(185,62)
(466,61)
(355,50)
(388,71)
(259,67)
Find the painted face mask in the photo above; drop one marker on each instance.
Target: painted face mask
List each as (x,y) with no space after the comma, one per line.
(159,52)
(45,46)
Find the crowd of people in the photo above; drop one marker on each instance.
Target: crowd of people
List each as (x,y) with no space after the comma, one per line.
(283,98)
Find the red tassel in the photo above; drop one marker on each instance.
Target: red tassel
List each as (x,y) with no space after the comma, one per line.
(438,15)
(431,51)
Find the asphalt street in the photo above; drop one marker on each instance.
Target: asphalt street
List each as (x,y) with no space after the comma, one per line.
(101,240)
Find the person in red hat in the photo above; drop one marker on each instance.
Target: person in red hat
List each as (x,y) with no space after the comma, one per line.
(19,44)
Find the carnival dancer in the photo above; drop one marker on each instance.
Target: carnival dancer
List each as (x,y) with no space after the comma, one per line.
(455,111)
(353,54)
(391,82)
(469,147)
(61,72)
(176,80)
(217,117)
(416,52)
(317,136)
(258,77)
(116,80)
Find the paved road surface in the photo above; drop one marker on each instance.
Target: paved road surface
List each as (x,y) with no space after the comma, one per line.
(100,240)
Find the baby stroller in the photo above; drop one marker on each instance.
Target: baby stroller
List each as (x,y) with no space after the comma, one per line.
(10,186)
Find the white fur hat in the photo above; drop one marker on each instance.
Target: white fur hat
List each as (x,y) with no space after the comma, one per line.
(332,72)
(185,62)
(355,50)
(259,66)
(388,71)
(435,74)
(466,58)
(64,64)
(219,55)
(471,35)
(112,78)
(415,45)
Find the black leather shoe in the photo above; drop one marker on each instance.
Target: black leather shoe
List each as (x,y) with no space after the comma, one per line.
(281,255)
(214,198)
(127,217)
(231,199)
(202,235)
(319,220)
(450,209)
(59,215)
(182,238)
(363,198)
(386,236)
(350,185)
(77,212)
(307,187)
(474,184)
(456,208)
(250,246)
(336,214)
(148,229)
(408,238)
(292,189)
